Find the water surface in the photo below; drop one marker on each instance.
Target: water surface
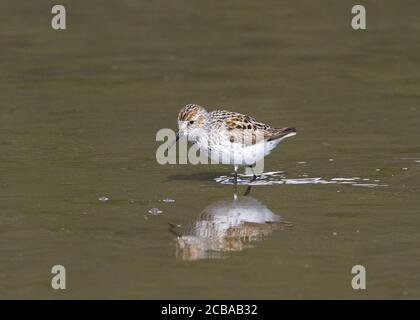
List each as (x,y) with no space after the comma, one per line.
(80,108)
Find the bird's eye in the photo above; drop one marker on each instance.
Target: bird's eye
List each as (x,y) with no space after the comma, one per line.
(192,121)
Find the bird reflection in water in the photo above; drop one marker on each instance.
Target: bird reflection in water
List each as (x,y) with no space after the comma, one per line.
(226,226)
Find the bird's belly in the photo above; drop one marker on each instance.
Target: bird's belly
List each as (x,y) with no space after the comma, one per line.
(236,153)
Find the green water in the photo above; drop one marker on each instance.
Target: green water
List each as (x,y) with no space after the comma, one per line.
(80,108)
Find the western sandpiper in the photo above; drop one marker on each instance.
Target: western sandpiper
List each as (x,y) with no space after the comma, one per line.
(229,137)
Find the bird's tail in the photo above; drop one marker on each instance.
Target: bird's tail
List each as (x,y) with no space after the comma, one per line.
(282,133)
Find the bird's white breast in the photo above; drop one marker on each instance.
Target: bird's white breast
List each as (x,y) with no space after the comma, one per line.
(223,151)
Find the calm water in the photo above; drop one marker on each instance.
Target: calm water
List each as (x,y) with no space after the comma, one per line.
(80,108)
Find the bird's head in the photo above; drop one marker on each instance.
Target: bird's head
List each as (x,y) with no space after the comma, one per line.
(190,121)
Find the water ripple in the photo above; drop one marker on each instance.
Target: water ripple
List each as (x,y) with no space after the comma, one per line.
(278,177)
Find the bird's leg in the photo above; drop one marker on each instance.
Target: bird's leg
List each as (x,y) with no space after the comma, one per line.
(236,175)
(254,176)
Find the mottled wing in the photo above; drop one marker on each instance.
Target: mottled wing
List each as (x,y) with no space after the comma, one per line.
(241,128)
